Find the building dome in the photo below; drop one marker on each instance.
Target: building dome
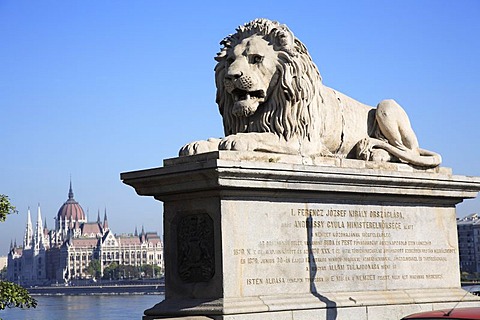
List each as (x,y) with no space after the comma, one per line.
(71,209)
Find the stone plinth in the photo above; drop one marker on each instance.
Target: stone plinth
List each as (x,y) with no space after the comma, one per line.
(262,236)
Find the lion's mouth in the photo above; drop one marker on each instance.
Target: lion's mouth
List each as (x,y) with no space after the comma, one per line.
(246,102)
(239,94)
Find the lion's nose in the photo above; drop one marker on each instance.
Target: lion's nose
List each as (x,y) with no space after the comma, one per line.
(232,75)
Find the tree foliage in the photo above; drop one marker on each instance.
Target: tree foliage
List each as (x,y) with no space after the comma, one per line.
(119,271)
(6,207)
(11,294)
(94,269)
(14,296)
(151,271)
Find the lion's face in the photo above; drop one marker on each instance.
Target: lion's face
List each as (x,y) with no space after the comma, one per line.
(266,82)
(251,73)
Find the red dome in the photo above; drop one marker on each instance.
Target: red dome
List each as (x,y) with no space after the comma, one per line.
(71,209)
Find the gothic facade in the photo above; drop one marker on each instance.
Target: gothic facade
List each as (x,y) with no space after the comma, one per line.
(64,253)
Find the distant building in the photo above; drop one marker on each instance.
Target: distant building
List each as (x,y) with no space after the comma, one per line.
(3,262)
(469,243)
(64,253)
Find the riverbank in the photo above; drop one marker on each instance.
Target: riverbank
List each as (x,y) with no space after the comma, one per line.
(104,289)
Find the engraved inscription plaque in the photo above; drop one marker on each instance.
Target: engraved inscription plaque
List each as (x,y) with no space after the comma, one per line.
(292,247)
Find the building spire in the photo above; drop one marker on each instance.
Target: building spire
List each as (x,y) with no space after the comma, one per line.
(142,235)
(39,239)
(105,220)
(70,191)
(28,237)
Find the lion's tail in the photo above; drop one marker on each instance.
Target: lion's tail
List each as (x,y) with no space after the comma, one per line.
(425,158)
(433,158)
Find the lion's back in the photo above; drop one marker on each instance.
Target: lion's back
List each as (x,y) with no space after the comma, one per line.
(348,120)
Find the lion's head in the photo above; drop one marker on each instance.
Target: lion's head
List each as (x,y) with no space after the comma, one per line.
(266,82)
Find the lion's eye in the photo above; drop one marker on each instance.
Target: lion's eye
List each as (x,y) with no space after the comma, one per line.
(230,60)
(256,58)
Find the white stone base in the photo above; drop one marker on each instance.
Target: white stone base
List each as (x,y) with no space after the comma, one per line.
(370,305)
(256,236)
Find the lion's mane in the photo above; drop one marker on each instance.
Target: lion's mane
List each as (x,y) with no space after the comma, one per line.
(292,109)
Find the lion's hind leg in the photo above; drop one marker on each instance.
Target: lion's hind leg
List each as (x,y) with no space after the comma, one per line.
(395,125)
(395,140)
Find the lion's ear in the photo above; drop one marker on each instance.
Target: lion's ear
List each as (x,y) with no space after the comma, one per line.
(225,43)
(284,38)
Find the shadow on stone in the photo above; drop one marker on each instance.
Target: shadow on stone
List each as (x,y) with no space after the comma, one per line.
(312,267)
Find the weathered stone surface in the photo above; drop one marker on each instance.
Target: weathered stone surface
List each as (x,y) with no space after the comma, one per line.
(287,220)
(247,233)
(271,97)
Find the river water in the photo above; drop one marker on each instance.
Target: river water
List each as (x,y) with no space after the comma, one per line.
(113,307)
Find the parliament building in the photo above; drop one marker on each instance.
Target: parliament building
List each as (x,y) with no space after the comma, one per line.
(64,253)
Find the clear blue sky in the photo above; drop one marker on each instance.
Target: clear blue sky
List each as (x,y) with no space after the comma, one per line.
(90,89)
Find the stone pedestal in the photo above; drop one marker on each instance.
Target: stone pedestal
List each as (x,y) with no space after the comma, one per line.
(262,236)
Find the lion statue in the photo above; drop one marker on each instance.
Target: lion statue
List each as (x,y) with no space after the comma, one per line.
(271,98)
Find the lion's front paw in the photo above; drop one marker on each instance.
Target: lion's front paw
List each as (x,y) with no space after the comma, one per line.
(237,142)
(197,147)
(368,149)
(364,149)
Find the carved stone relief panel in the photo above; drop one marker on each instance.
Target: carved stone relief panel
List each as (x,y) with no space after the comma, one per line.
(195,245)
